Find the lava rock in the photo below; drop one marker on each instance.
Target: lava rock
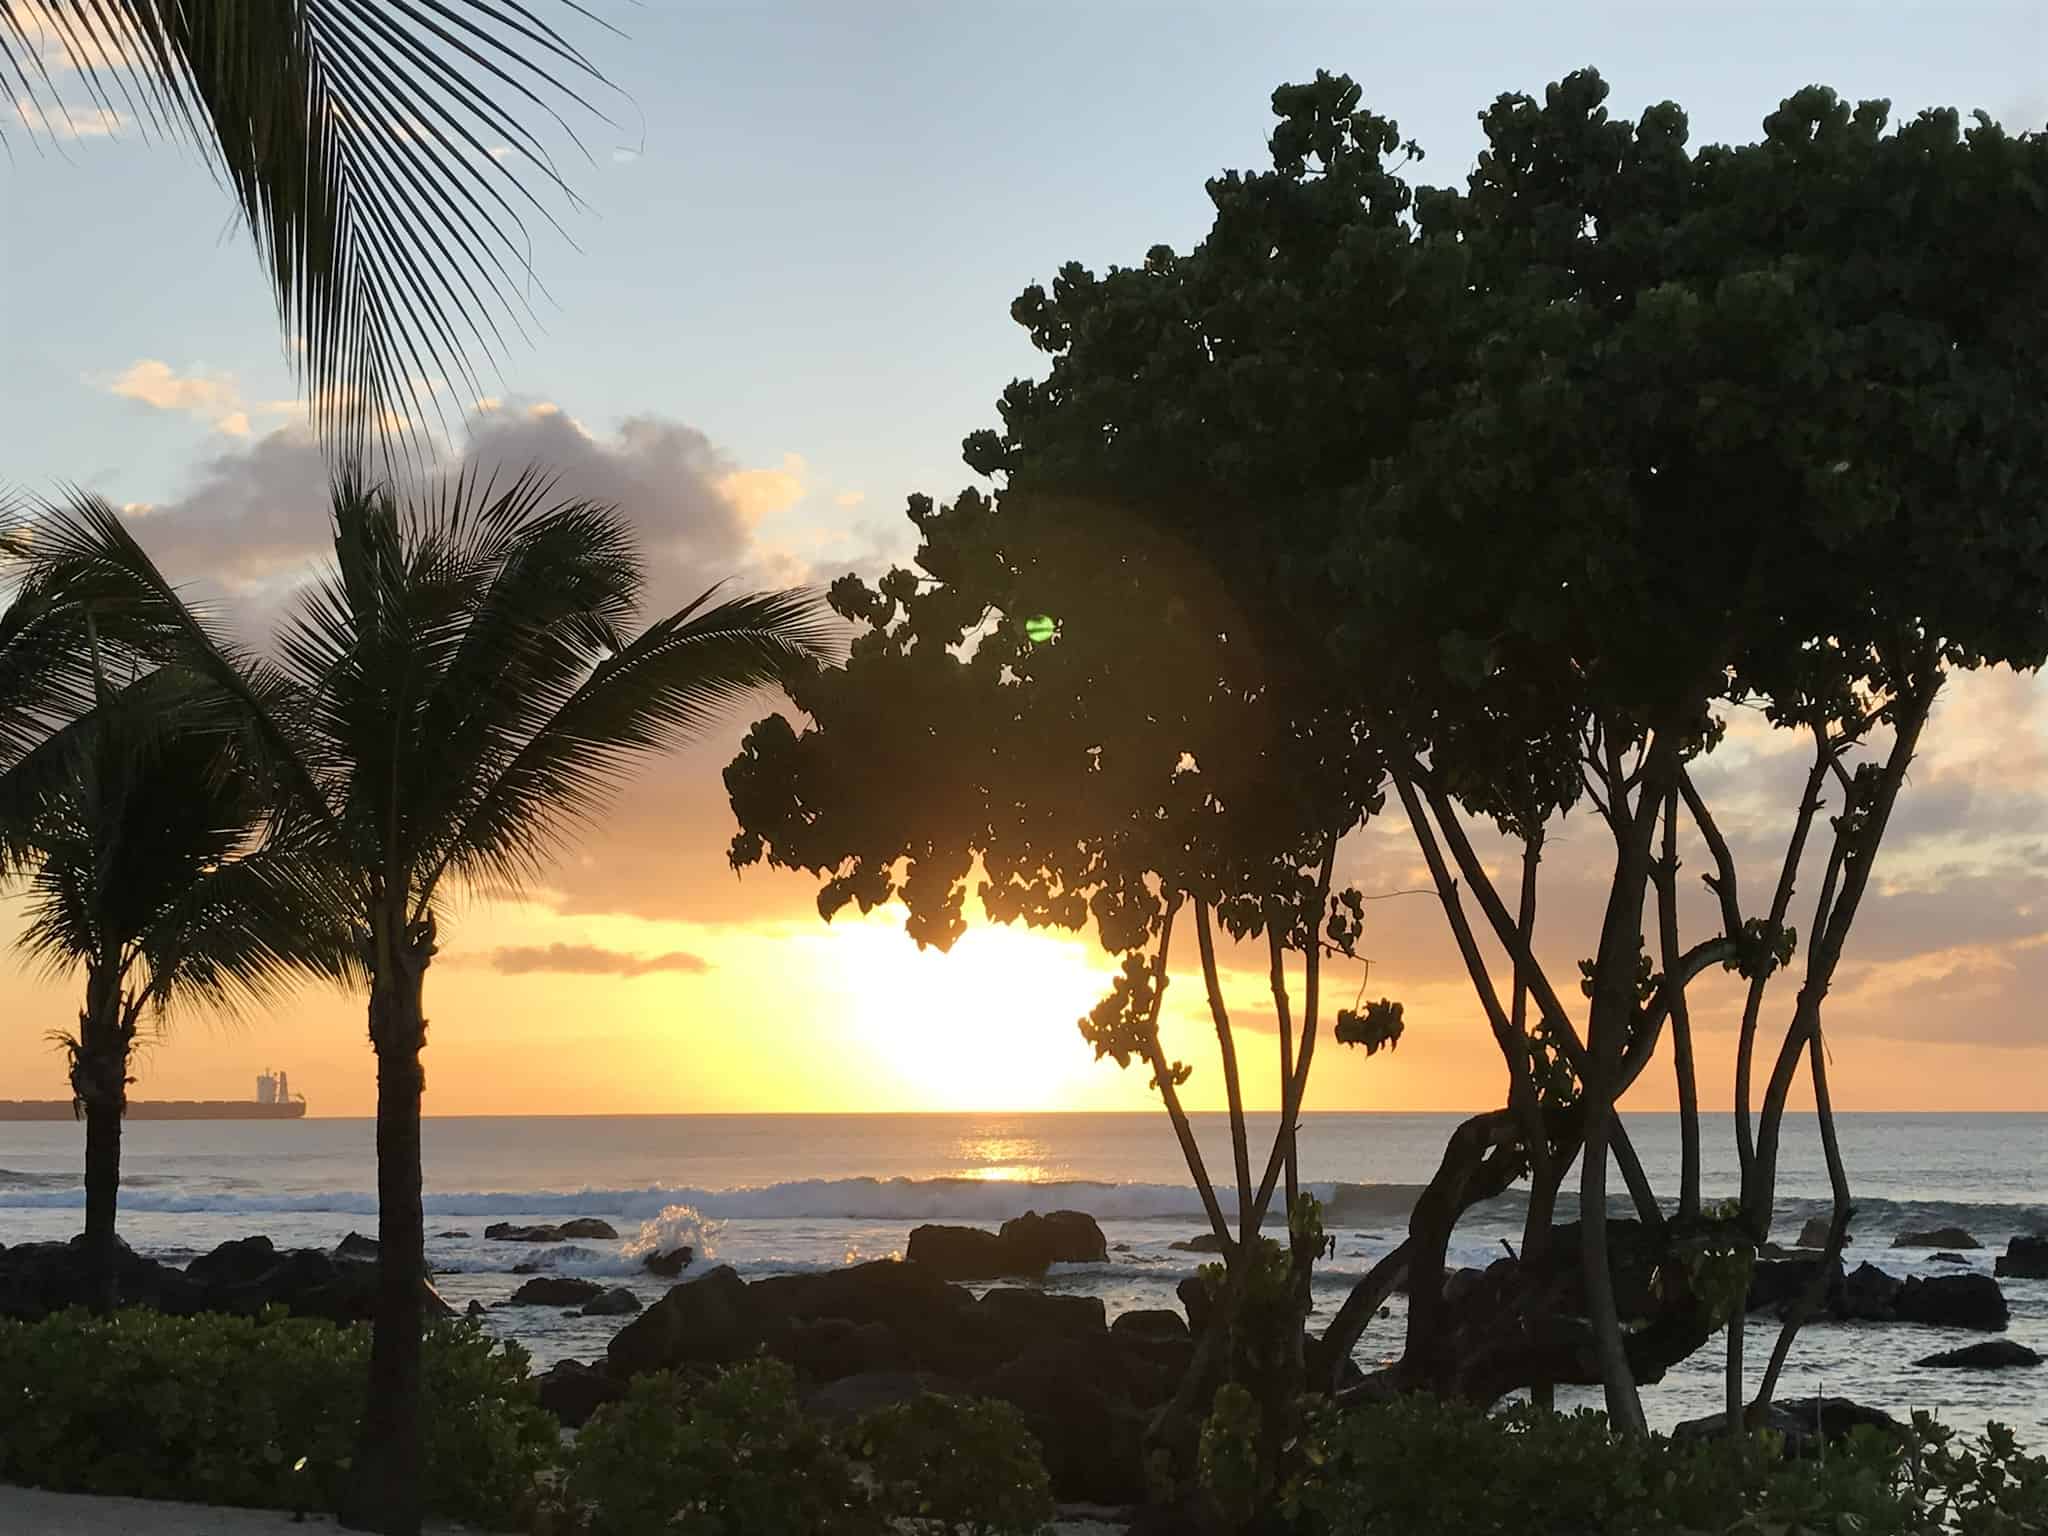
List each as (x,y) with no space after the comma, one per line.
(829,1348)
(573,1391)
(553,1258)
(1992,1354)
(236,1262)
(589,1227)
(1815,1233)
(1948,1258)
(1057,1237)
(905,1296)
(1196,1302)
(711,1320)
(670,1264)
(2025,1258)
(1936,1237)
(1091,1434)
(476,1310)
(555,1291)
(506,1232)
(841,1402)
(1201,1242)
(616,1302)
(357,1247)
(1027,1311)
(960,1253)
(1155,1323)
(1775,1283)
(1868,1295)
(1954,1301)
(1804,1424)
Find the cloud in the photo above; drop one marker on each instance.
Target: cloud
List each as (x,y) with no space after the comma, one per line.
(590,960)
(849,498)
(214,398)
(69,120)
(760,493)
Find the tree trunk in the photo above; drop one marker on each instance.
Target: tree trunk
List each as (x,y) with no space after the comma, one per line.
(99,1092)
(385,1492)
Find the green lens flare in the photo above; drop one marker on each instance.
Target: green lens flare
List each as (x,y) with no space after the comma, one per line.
(1040,627)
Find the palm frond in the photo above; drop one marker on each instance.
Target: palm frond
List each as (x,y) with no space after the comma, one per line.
(665,687)
(82,556)
(387,156)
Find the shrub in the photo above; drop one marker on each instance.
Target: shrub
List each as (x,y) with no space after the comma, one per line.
(255,1411)
(1423,1464)
(732,1457)
(955,1466)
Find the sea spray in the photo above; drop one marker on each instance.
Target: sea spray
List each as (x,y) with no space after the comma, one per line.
(678,1226)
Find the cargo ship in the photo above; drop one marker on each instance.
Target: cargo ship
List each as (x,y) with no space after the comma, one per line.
(274,1101)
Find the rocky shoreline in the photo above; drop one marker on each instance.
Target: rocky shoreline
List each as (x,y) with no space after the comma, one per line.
(890,1329)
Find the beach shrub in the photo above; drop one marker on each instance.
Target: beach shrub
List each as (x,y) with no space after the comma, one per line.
(259,1412)
(1421,1463)
(733,1456)
(954,1467)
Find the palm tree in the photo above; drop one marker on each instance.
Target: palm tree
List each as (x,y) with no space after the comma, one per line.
(457,694)
(141,833)
(385,154)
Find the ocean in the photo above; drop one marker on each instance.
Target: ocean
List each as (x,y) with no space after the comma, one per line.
(772,1194)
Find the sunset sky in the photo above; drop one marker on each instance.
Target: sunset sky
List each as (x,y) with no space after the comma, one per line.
(784,306)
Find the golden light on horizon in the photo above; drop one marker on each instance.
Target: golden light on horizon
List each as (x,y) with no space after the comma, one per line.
(990,1024)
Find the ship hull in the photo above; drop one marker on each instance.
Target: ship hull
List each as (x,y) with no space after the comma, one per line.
(160,1109)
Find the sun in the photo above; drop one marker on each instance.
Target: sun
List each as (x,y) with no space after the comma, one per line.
(989,1025)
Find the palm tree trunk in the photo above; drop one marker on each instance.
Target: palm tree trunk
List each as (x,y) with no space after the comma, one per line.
(102,1190)
(99,1091)
(385,1493)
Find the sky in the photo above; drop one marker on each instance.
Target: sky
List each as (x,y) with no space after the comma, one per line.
(778,307)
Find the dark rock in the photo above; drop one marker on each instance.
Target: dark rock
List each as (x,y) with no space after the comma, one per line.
(236,1262)
(1196,1302)
(37,1279)
(2025,1258)
(1057,1237)
(476,1309)
(351,1296)
(506,1232)
(451,1234)
(1867,1295)
(669,1265)
(1937,1237)
(588,1227)
(1150,1323)
(1027,1311)
(828,1348)
(1990,1355)
(616,1302)
(1815,1233)
(1774,1283)
(1948,1258)
(552,1258)
(711,1320)
(555,1291)
(1954,1301)
(1201,1242)
(573,1391)
(840,1402)
(1090,1432)
(903,1295)
(358,1247)
(961,1253)
(1804,1423)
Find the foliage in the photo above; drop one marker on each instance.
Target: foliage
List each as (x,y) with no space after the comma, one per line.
(953,1467)
(1229,1468)
(1376,1025)
(351,136)
(732,1457)
(258,1412)
(1719,1259)
(1380,1471)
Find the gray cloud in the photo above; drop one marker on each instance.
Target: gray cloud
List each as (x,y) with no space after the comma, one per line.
(589,960)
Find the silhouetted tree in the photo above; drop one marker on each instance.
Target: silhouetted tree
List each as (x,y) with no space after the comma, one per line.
(139,834)
(451,699)
(1519,491)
